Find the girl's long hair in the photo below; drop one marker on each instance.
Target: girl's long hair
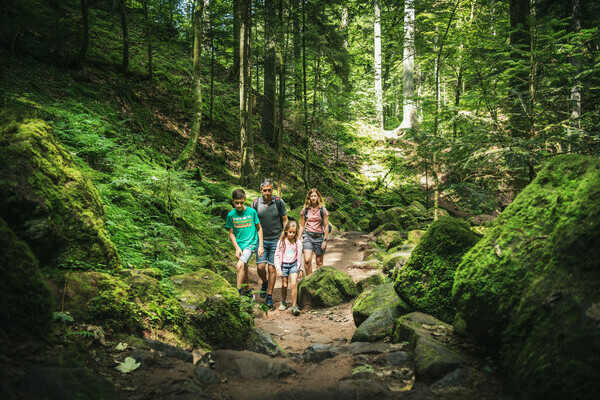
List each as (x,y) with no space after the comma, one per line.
(307,200)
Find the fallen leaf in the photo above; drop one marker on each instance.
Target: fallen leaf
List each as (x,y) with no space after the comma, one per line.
(128,365)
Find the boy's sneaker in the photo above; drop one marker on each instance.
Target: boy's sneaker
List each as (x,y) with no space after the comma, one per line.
(269,301)
(283,306)
(250,295)
(263,289)
(295,310)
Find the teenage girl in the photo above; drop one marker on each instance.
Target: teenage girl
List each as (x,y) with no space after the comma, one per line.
(314,236)
(288,263)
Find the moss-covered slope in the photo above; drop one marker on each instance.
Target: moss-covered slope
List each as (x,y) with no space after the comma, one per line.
(425,282)
(47,201)
(531,286)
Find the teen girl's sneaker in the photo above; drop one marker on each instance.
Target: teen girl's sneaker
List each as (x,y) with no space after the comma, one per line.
(295,311)
(283,306)
(269,301)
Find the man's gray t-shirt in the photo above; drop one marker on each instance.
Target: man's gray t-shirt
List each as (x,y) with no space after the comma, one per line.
(269,218)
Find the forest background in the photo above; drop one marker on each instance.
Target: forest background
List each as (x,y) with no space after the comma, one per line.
(167,105)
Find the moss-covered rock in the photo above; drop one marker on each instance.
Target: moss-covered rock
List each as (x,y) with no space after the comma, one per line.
(216,313)
(425,282)
(374,298)
(26,303)
(326,287)
(371,280)
(48,201)
(378,326)
(530,286)
(101,299)
(396,218)
(389,239)
(414,236)
(343,220)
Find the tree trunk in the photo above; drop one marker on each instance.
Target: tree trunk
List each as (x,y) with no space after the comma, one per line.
(148,39)
(207,26)
(282,57)
(306,169)
(235,68)
(123,16)
(190,148)
(377,62)
(85,7)
(268,112)
(246,139)
(409,116)
(297,48)
(575,123)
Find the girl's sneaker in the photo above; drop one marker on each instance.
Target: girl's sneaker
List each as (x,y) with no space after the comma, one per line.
(295,310)
(282,306)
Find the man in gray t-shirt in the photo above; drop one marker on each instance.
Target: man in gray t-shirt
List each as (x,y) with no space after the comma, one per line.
(272,215)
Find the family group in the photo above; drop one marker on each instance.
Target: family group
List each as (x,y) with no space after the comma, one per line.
(283,246)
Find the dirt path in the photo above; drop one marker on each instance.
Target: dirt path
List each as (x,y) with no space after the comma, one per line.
(330,325)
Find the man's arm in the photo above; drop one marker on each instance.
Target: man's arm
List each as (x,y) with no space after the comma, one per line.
(238,251)
(284,220)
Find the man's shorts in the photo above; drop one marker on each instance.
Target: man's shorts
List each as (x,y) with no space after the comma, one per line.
(269,255)
(289,268)
(313,241)
(246,254)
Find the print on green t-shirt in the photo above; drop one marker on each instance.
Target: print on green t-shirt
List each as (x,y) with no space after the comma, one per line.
(244,227)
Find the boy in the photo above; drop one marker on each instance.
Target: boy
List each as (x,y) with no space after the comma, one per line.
(246,235)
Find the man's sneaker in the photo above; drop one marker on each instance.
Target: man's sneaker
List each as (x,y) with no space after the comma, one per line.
(250,295)
(283,306)
(295,310)
(269,301)
(263,289)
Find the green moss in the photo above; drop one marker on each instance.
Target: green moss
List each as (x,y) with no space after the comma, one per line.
(326,287)
(371,280)
(529,287)
(374,298)
(425,282)
(389,239)
(195,287)
(47,200)
(26,303)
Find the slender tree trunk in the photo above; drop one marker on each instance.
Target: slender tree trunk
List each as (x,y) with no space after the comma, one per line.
(207,26)
(148,39)
(235,68)
(297,48)
(212,78)
(409,116)
(344,25)
(306,169)
(246,139)
(124,29)
(190,148)
(575,123)
(282,57)
(268,114)
(377,62)
(85,6)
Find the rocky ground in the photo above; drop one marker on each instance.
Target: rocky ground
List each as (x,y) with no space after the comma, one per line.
(319,361)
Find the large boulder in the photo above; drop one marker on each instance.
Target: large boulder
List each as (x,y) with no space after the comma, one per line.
(378,326)
(425,281)
(396,218)
(326,287)
(48,201)
(25,304)
(217,315)
(374,298)
(529,288)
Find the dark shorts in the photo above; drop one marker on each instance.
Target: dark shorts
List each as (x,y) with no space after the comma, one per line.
(313,241)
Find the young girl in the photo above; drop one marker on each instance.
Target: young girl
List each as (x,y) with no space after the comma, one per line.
(314,225)
(288,263)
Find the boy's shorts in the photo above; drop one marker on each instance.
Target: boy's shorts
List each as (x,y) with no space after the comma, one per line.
(246,254)
(313,242)
(289,268)
(269,255)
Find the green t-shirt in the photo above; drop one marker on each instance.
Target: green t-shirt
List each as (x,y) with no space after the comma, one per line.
(244,227)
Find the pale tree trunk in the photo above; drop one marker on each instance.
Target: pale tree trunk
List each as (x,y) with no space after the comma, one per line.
(575,123)
(344,26)
(268,112)
(190,148)
(246,139)
(297,48)
(409,116)
(235,68)
(207,26)
(148,39)
(377,62)
(282,57)
(123,15)
(438,67)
